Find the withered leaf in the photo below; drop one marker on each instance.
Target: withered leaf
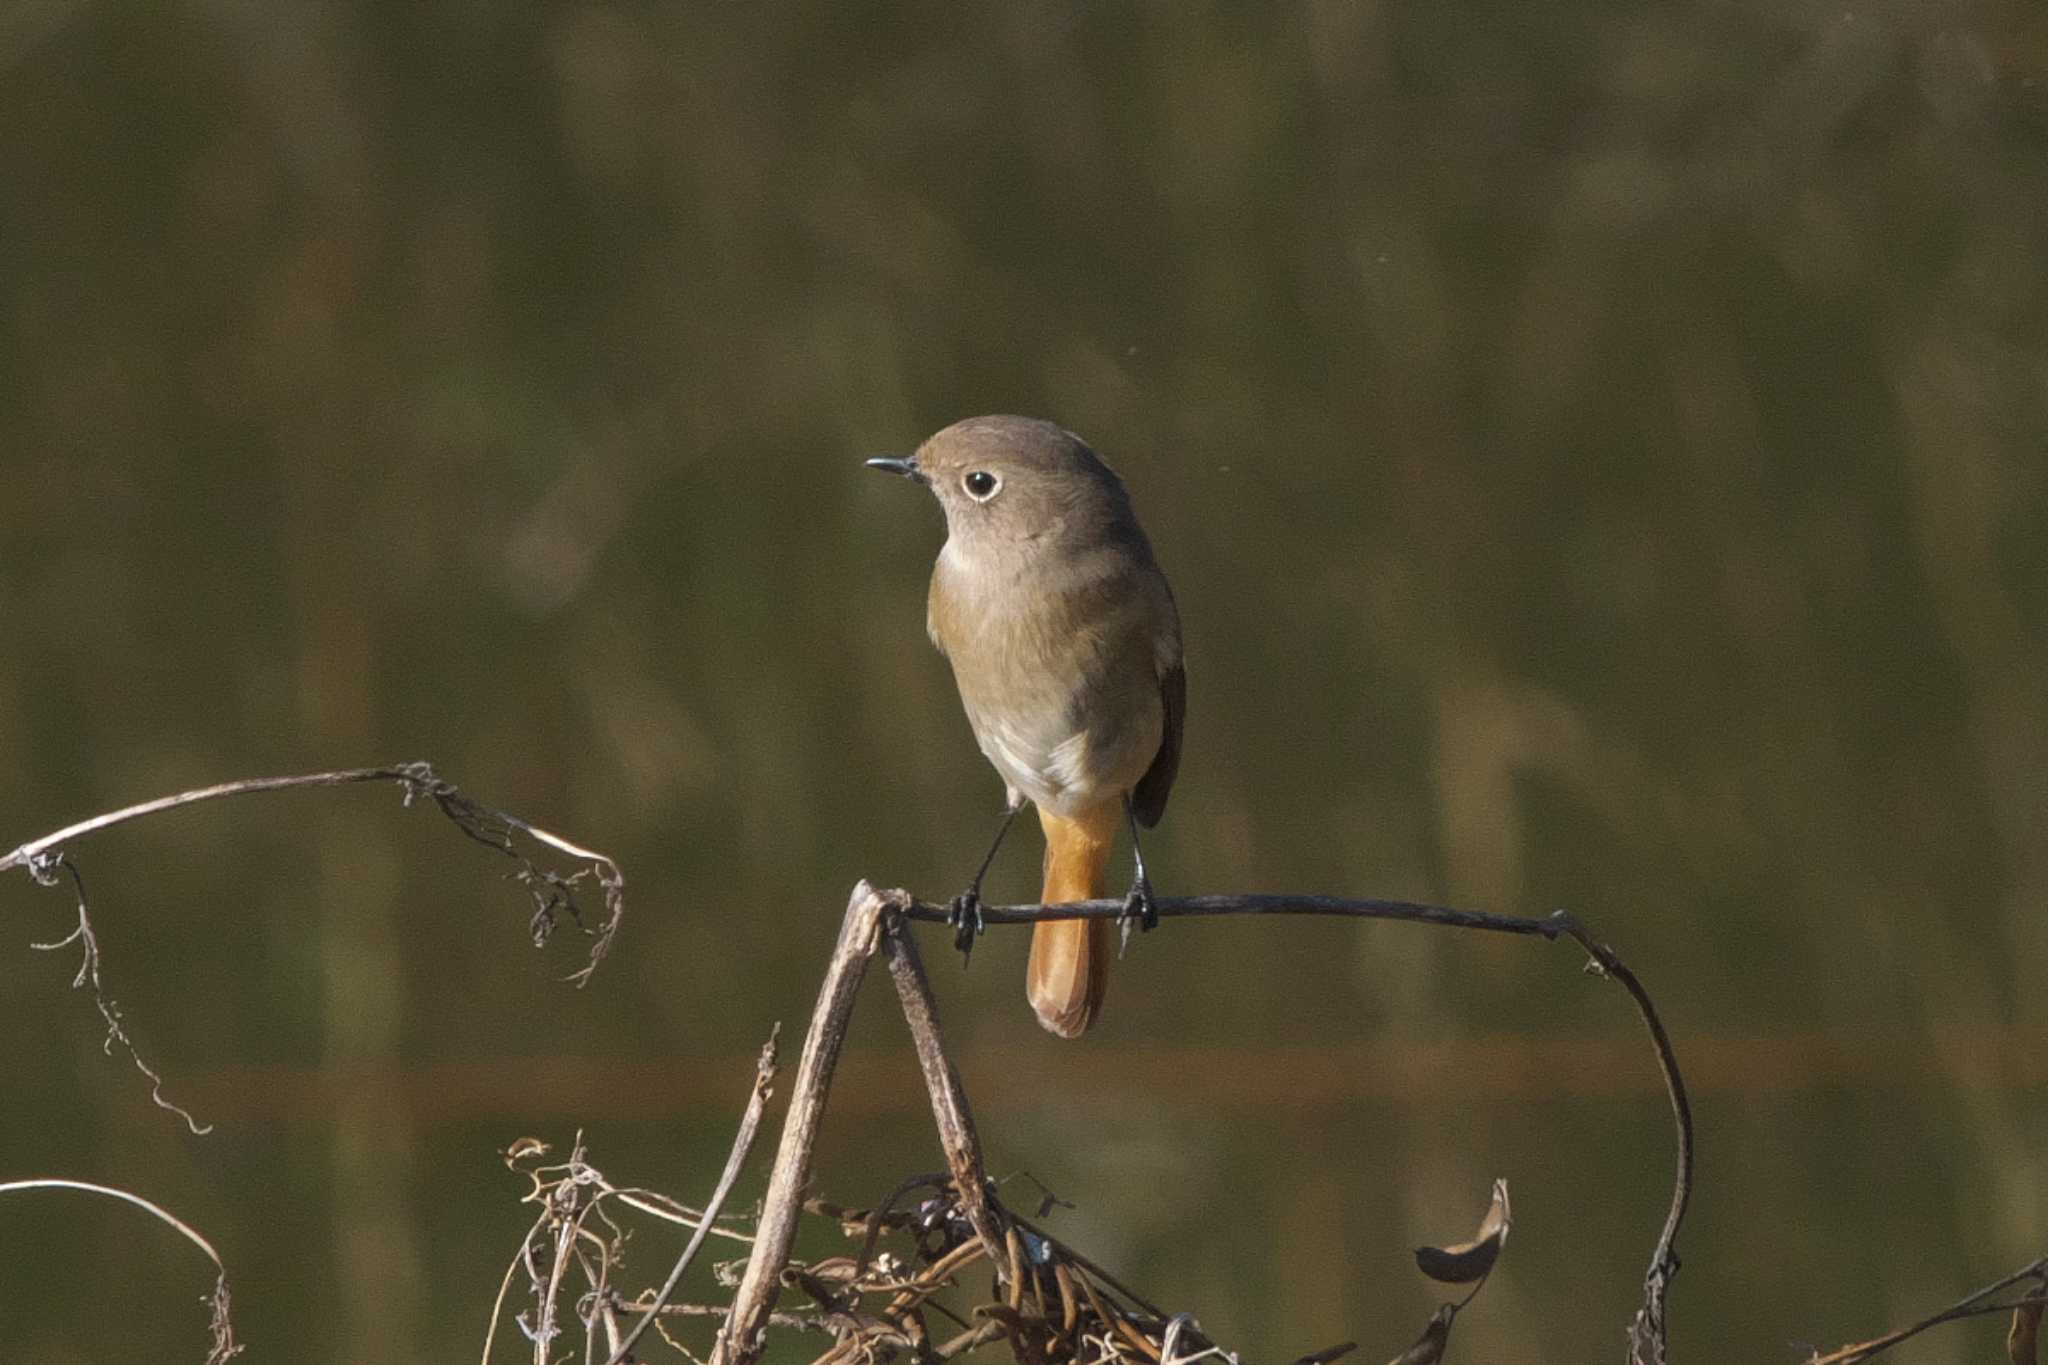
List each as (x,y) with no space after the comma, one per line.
(1468,1261)
(2019,1340)
(524,1149)
(1429,1347)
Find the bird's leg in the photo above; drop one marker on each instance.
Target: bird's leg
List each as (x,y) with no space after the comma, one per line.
(1139,905)
(965,914)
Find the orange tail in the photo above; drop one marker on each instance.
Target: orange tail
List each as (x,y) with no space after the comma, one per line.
(1070,958)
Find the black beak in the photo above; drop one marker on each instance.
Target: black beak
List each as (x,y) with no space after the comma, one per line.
(904,465)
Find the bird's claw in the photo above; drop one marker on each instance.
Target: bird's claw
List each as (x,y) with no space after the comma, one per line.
(965,917)
(1139,908)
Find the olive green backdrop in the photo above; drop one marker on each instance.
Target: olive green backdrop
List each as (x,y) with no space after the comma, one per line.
(1598,449)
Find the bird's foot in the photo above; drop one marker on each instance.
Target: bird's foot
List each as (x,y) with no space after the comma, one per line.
(1140,909)
(965,916)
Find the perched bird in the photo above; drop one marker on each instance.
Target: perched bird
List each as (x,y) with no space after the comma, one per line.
(1065,645)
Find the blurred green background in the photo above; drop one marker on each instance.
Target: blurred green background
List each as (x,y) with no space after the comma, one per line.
(1599,450)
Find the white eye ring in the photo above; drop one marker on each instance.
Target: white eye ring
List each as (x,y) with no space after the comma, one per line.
(980,484)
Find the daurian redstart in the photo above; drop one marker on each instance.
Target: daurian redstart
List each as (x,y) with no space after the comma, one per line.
(1065,645)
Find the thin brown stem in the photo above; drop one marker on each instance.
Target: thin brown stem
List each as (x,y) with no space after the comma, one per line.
(519,1259)
(1970,1305)
(972,1339)
(950,1110)
(742,1145)
(794,1322)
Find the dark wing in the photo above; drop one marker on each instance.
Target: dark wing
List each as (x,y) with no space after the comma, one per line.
(1148,798)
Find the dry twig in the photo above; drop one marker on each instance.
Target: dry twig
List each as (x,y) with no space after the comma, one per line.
(552,892)
(222,1329)
(742,1145)
(572,1193)
(1984,1301)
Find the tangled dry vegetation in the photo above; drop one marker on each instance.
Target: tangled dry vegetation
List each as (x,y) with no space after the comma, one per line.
(1046,1303)
(915,1283)
(939,1267)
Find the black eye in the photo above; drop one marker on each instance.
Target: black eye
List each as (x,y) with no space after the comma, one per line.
(981,485)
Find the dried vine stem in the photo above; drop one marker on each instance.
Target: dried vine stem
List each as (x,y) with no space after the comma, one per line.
(1983,1301)
(1047,1302)
(551,892)
(223,1330)
(46,870)
(1648,1332)
(742,1146)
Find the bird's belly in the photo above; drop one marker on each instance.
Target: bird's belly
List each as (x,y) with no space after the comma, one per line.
(1062,688)
(1064,767)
